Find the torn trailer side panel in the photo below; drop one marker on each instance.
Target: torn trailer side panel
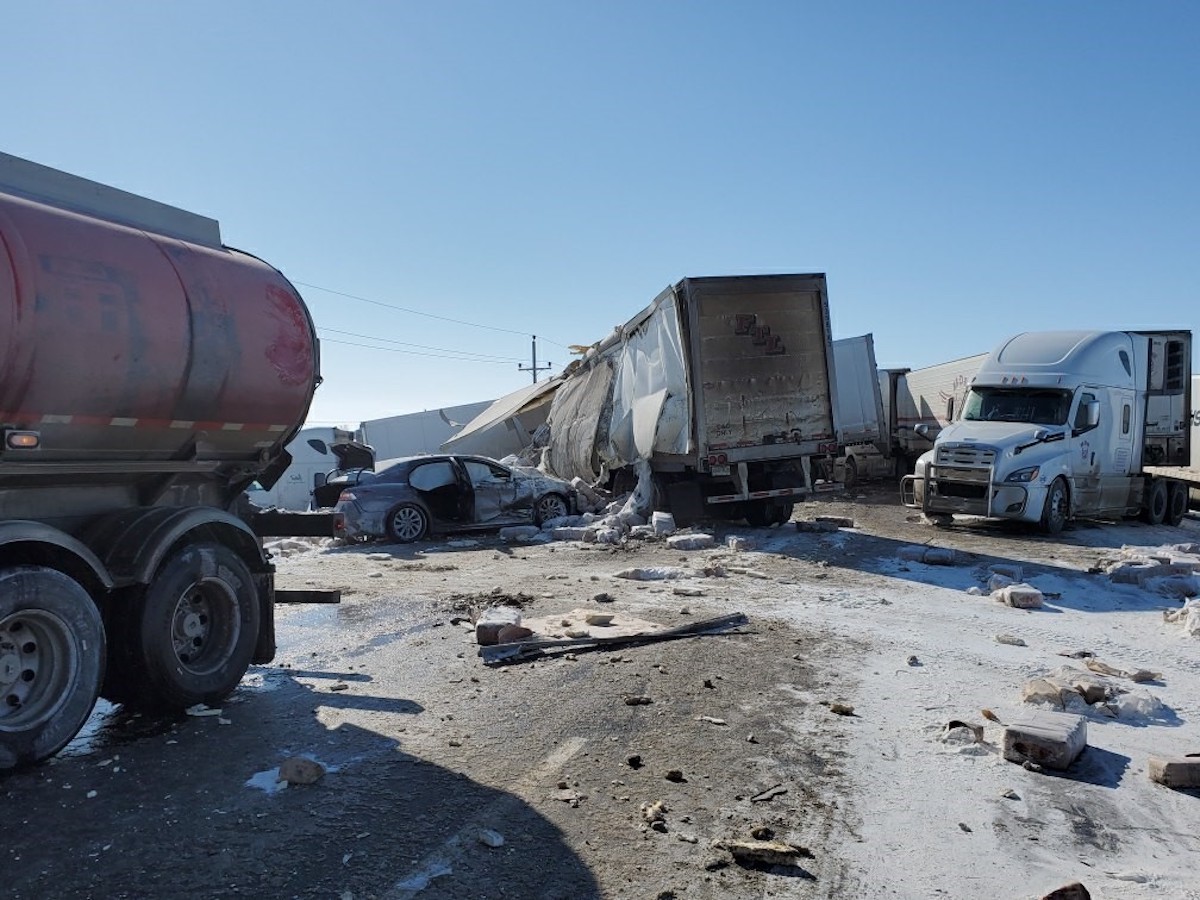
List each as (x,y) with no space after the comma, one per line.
(724,386)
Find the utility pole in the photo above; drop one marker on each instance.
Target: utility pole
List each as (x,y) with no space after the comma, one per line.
(534,368)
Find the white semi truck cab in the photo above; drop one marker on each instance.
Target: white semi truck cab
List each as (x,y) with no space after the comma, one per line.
(1067,424)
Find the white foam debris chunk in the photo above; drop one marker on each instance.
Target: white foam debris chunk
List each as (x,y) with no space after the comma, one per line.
(663,522)
(1049,739)
(1019,596)
(691,541)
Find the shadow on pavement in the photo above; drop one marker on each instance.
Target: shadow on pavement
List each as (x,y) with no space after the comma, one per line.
(167,809)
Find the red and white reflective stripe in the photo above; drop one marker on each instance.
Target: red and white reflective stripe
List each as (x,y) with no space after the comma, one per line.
(35,419)
(757,495)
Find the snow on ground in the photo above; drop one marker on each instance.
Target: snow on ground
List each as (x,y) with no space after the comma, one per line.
(934,816)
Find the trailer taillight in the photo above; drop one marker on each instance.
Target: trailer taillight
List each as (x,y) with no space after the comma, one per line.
(22,440)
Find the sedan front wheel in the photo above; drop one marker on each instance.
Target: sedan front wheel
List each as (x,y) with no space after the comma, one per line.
(552,506)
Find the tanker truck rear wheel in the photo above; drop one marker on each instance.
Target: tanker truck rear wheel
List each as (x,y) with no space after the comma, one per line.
(51,662)
(190,636)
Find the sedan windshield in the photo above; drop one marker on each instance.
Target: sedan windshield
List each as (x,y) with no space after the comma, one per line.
(1037,406)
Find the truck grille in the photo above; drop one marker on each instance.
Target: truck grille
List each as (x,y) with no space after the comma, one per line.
(965,456)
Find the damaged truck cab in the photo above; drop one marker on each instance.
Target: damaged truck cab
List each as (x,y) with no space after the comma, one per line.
(1059,425)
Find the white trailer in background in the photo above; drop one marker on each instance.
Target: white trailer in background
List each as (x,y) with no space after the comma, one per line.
(862,427)
(915,405)
(317,453)
(927,399)
(418,432)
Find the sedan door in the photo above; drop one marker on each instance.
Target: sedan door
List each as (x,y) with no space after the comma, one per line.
(495,493)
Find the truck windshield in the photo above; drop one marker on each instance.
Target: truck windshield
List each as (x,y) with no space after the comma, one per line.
(1037,406)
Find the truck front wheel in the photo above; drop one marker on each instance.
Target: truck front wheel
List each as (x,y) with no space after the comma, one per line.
(190,636)
(1054,513)
(51,662)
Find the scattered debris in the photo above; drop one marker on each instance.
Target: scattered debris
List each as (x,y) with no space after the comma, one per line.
(663,523)
(681,591)
(1175,772)
(691,542)
(1072,891)
(933,556)
(200,710)
(339,686)
(815,526)
(653,573)
(602,597)
(300,770)
(976,731)
(489,623)
(965,827)
(599,618)
(638,701)
(1103,668)
(1010,794)
(769,794)
(771,853)
(1052,740)
(510,633)
(913,661)
(990,716)
(522,648)
(520,533)
(762,832)
(655,812)
(737,544)
(490,838)
(1011,640)
(841,709)
(676,776)
(712,720)
(1019,596)
(634,762)
(838,521)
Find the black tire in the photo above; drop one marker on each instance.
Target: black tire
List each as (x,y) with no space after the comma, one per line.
(1177,503)
(1154,506)
(850,474)
(781,511)
(1057,507)
(51,662)
(407,523)
(758,513)
(189,637)
(550,506)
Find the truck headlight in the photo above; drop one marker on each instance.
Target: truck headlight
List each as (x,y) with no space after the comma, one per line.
(1023,476)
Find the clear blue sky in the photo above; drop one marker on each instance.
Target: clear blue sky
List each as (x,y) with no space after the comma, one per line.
(961,171)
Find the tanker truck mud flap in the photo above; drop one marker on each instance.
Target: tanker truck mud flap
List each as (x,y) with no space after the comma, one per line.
(51,662)
(189,636)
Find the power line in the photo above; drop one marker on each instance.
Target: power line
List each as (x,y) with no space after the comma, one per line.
(370,337)
(496,362)
(417,312)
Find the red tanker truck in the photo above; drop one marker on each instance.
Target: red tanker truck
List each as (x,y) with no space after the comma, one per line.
(148,374)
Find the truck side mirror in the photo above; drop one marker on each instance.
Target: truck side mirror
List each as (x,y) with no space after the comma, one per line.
(923,430)
(1093,413)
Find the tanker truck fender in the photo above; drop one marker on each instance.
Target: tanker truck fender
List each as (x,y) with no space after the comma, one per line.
(134,542)
(35,543)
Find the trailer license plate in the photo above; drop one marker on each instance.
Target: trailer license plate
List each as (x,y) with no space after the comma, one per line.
(720,470)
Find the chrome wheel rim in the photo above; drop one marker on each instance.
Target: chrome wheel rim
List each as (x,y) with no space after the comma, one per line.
(408,523)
